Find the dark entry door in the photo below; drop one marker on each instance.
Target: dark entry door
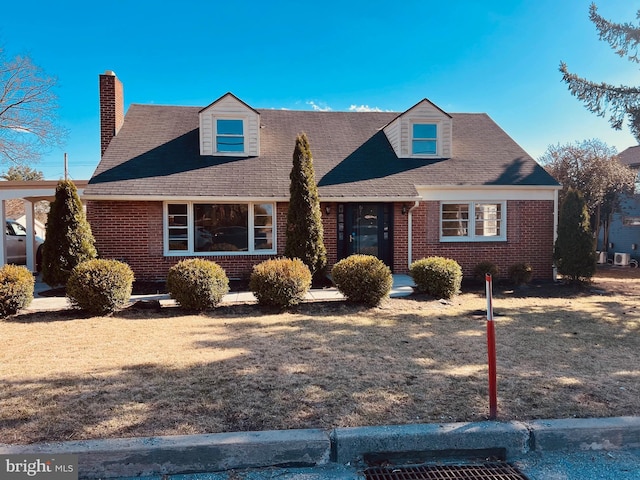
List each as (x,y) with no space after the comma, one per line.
(367,230)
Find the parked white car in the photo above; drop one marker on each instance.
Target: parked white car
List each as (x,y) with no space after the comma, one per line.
(16,239)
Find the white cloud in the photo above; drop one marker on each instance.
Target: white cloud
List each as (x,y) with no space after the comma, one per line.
(318,108)
(364,108)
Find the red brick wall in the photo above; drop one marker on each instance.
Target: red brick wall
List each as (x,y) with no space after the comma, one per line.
(111,108)
(132,232)
(529,239)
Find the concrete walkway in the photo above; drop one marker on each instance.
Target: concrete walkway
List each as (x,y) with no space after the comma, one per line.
(402,286)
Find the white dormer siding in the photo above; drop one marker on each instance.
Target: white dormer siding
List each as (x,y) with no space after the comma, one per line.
(229,107)
(400,132)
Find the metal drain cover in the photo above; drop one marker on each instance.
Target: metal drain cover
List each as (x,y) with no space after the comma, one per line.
(485,471)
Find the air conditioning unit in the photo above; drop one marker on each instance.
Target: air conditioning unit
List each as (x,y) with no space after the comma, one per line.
(621,259)
(602,257)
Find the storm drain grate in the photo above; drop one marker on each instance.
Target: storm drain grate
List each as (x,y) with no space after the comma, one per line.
(486,471)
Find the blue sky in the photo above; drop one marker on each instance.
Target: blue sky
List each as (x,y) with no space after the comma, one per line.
(498,57)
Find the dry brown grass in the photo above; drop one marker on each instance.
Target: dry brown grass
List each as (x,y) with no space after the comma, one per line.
(562,352)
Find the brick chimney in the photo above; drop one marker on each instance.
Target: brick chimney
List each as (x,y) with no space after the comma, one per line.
(111,108)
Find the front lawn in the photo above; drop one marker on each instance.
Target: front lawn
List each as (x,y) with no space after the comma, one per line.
(561,352)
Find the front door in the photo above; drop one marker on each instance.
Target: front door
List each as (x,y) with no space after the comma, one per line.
(365,228)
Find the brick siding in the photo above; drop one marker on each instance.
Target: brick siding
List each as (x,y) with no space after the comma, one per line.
(132,232)
(111,109)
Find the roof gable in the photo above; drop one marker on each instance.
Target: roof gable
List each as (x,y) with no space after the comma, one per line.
(400,130)
(229,108)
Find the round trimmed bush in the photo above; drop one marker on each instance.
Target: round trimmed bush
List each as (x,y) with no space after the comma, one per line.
(438,276)
(280,282)
(483,268)
(197,284)
(16,289)
(520,273)
(100,286)
(362,279)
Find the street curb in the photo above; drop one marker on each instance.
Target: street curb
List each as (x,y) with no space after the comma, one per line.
(134,457)
(421,442)
(356,446)
(585,434)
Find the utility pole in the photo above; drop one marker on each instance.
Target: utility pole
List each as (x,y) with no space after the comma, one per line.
(66,168)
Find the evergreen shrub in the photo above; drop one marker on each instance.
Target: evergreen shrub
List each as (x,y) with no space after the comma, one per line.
(438,276)
(481,269)
(16,289)
(100,286)
(520,273)
(69,240)
(197,284)
(362,279)
(280,282)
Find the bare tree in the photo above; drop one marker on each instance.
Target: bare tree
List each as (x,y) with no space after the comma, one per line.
(28,111)
(592,168)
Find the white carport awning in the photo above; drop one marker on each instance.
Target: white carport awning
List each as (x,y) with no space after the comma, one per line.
(30,192)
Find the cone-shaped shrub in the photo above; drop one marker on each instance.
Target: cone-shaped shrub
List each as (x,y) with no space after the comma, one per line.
(69,240)
(363,279)
(197,284)
(100,286)
(281,282)
(574,251)
(16,289)
(438,276)
(305,235)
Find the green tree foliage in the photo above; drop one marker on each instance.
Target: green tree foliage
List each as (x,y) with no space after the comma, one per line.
(22,172)
(69,239)
(592,168)
(620,101)
(574,254)
(304,218)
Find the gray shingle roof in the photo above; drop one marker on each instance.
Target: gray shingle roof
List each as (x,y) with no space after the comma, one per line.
(630,156)
(156,154)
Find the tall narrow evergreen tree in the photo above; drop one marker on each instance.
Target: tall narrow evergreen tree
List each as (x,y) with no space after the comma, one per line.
(69,240)
(574,253)
(304,219)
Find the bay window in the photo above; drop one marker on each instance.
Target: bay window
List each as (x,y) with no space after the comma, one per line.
(472,221)
(193,228)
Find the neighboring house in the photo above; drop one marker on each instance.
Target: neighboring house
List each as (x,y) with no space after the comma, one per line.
(623,240)
(213,182)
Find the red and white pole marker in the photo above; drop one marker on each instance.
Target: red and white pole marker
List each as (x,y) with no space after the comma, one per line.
(491,349)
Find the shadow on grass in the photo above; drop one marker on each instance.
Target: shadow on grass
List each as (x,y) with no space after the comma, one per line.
(331,364)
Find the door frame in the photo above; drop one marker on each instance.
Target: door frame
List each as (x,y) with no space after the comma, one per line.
(345,219)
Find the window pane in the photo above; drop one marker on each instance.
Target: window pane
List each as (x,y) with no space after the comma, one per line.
(263,222)
(424,147)
(425,130)
(455,220)
(229,127)
(230,144)
(263,238)
(221,227)
(488,216)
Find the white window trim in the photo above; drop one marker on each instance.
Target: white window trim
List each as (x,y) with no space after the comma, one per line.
(214,122)
(472,222)
(425,121)
(190,252)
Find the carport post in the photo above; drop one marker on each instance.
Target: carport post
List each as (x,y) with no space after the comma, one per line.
(491,349)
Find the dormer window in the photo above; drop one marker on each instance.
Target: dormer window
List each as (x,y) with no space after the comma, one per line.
(424,139)
(229,135)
